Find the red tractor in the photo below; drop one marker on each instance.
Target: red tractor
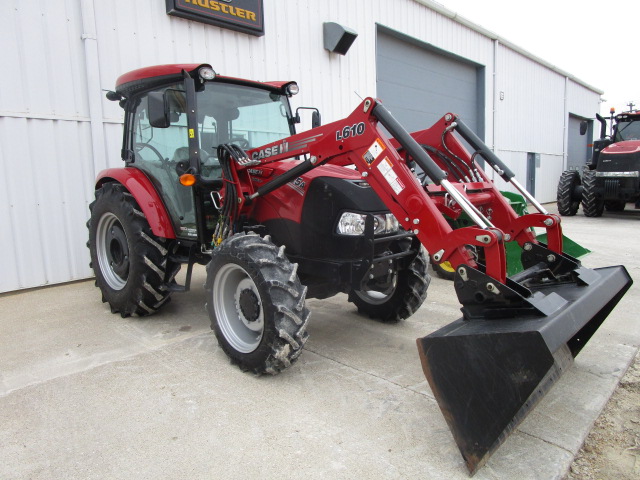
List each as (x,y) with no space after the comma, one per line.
(215,174)
(611,178)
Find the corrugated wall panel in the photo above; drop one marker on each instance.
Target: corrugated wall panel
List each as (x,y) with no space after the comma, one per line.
(44,135)
(44,102)
(580,100)
(44,208)
(530,118)
(42,59)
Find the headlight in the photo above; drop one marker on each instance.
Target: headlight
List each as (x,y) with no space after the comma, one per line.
(207,73)
(352,223)
(292,89)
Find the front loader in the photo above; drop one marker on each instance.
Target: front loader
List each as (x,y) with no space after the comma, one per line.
(216,174)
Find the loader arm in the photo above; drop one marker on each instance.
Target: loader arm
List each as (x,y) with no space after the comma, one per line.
(360,141)
(518,334)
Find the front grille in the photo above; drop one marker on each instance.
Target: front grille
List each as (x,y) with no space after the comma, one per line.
(611,187)
(618,162)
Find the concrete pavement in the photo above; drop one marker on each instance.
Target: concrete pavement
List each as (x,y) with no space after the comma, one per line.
(86,394)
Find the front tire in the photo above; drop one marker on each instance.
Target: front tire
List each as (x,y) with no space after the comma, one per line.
(566,199)
(256,304)
(131,264)
(401,301)
(592,204)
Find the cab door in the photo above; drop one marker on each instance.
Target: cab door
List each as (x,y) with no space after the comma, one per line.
(161,153)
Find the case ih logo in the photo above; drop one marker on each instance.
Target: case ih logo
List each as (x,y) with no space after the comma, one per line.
(242,15)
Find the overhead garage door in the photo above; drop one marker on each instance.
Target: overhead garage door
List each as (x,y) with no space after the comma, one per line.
(419,85)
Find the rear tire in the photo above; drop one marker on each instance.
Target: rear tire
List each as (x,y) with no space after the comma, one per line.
(130,263)
(398,303)
(592,204)
(256,304)
(567,204)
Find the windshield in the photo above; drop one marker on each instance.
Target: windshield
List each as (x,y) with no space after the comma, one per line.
(627,131)
(247,116)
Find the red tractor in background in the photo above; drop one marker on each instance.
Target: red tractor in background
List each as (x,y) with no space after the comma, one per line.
(611,178)
(215,174)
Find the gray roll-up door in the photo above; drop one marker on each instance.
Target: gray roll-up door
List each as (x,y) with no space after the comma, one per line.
(419,85)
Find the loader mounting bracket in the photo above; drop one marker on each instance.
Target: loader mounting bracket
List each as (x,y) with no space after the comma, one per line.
(483,298)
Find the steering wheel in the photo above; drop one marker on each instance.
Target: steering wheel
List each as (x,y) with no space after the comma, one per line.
(211,167)
(142,146)
(242,142)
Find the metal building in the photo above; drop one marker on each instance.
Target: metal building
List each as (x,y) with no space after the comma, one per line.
(57,130)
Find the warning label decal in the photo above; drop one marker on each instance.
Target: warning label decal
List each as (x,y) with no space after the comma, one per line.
(374,151)
(386,168)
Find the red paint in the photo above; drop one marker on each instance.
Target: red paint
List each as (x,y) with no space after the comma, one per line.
(175,69)
(145,194)
(624,147)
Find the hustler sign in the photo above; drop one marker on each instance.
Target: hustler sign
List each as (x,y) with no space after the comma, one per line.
(241,15)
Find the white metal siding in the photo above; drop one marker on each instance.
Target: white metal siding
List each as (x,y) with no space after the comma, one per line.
(533,117)
(51,85)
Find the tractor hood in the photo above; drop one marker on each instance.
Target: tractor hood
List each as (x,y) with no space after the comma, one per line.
(625,147)
(620,157)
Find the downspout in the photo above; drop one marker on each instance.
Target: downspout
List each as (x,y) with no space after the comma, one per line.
(494,123)
(565,132)
(92,78)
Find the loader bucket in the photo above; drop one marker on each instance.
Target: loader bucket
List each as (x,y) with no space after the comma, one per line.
(487,374)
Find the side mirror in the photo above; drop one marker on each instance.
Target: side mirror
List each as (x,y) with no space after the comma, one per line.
(158,110)
(315,116)
(584,125)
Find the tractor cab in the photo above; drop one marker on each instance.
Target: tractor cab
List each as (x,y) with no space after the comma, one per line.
(627,127)
(177,115)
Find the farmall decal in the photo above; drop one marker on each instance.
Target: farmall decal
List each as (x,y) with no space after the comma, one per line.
(298,185)
(245,16)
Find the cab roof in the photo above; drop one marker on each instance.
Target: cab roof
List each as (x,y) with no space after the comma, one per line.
(150,77)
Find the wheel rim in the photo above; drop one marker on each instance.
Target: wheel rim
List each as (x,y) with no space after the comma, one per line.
(378,297)
(238,308)
(112,250)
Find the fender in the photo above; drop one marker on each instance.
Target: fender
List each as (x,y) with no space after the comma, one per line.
(145,194)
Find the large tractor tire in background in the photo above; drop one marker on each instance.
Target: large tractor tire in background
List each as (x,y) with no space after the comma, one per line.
(256,304)
(131,264)
(568,204)
(592,204)
(399,301)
